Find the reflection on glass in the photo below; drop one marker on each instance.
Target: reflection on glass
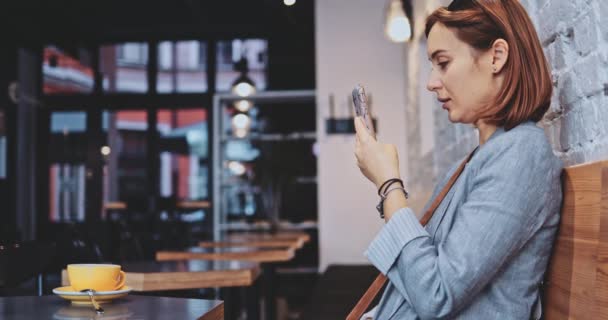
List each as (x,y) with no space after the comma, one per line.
(182,67)
(2,146)
(255,51)
(184,151)
(125,156)
(124,67)
(64,73)
(67,152)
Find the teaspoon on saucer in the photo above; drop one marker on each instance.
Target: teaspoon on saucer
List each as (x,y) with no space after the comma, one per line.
(96,305)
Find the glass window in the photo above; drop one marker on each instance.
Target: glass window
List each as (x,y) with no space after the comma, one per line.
(3,157)
(65,73)
(67,155)
(229,52)
(125,157)
(182,66)
(184,145)
(124,67)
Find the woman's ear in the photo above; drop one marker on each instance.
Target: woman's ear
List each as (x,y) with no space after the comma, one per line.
(500,54)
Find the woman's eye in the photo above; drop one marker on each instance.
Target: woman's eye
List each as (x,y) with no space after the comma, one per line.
(443,64)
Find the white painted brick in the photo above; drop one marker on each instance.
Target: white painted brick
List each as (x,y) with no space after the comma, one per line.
(586,78)
(568,134)
(568,89)
(596,151)
(562,53)
(586,37)
(603,15)
(549,50)
(552,131)
(575,156)
(556,14)
(591,74)
(601,111)
(556,107)
(530,5)
(590,128)
(585,124)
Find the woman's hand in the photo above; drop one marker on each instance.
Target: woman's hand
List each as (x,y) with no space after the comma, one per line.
(377,161)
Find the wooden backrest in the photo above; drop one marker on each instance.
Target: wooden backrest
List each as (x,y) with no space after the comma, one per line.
(577,278)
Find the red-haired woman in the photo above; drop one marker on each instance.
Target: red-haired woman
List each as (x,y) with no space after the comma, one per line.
(484,252)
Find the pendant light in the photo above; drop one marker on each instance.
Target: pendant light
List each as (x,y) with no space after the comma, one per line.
(398,27)
(243,85)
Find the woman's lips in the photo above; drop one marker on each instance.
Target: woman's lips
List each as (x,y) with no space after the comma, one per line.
(445,104)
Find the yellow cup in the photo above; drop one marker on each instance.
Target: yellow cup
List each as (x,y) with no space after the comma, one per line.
(99,277)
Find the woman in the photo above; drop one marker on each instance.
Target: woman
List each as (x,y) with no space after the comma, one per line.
(485,250)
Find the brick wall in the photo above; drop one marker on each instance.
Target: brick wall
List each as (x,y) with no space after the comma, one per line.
(574,35)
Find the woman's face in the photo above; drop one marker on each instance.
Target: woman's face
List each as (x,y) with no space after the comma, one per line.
(462,77)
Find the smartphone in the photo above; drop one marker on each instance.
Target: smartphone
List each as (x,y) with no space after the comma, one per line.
(362,108)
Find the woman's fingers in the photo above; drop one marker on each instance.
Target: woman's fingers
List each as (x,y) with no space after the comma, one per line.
(362,133)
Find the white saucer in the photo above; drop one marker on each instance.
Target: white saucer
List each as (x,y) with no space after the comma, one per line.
(82,298)
(69,291)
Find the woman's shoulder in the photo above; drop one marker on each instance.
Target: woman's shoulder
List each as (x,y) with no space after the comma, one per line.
(525,143)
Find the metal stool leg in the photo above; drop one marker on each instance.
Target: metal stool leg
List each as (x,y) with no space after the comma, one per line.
(40,284)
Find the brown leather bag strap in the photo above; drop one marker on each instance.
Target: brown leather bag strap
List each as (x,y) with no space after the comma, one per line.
(357,312)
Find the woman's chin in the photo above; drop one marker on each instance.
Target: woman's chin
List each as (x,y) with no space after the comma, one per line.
(453,117)
(456,118)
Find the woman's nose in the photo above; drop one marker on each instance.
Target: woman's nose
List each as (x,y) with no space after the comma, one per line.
(433,84)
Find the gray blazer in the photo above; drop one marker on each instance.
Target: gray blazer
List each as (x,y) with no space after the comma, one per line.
(485,251)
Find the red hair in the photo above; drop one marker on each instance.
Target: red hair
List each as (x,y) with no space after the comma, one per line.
(526,93)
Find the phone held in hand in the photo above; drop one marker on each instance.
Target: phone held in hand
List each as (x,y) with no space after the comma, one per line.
(362,108)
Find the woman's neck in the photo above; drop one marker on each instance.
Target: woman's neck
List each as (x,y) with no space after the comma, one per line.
(485,131)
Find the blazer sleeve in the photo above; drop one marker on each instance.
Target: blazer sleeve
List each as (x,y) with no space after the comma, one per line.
(500,214)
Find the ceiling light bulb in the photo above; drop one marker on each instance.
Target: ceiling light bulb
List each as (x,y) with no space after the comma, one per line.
(105,150)
(241,133)
(237,168)
(244,89)
(241,121)
(289,2)
(398,27)
(243,105)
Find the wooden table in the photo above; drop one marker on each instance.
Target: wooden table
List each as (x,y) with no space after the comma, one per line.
(289,243)
(129,307)
(261,242)
(265,236)
(265,248)
(151,276)
(180,275)
(116,205)
(295,240)
(193,205)
(265,255)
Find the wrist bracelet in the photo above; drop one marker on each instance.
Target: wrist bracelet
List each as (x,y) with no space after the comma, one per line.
(388,183)
(385,195)
(380,206)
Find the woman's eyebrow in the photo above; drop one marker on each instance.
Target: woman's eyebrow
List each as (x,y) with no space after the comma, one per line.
(435,53)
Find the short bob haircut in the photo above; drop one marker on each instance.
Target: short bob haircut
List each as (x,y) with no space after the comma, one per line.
(526,93)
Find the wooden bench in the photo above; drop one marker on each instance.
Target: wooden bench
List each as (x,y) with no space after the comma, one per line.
(576,285)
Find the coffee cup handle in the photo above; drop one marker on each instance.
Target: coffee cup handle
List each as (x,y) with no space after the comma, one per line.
(121,282)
